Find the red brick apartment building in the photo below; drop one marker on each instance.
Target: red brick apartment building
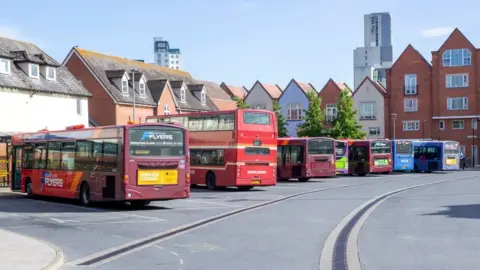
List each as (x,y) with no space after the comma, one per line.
(436,100)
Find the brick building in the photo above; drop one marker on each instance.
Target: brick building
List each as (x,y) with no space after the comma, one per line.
(329,95)
(437,100)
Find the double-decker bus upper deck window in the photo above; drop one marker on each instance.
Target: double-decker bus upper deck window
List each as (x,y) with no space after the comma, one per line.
(317,147)
(451,148)
(340,148)
(380,147)
(404,147)
(156,141)
(255,118)
(257,151)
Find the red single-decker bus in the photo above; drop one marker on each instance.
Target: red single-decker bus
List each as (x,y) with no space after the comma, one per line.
(230,148)
(370,156)
(136,163)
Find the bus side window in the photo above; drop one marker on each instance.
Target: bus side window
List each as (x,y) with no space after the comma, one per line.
(226,122)
(27,156)
(68,156)
(40,156)
(54,155)
(110,155)
(210,123)
(279,154)
(98,155)
(84,160)
(296,154)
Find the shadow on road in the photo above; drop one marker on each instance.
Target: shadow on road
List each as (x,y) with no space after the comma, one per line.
(459,211)
(203,189)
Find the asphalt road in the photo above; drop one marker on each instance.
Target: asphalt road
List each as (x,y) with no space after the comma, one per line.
(432,227)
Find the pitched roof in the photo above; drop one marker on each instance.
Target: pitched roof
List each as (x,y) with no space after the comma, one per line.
(378,86)
(156,88)
(218,96)
(192,102)
(238,91)
(340,86)
(273,90)
(410,47)
(305,87)
(18,51)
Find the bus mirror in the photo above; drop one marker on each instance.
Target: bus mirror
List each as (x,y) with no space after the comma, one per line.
(75,127)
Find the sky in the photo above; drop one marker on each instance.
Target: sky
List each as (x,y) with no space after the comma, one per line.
(238,41)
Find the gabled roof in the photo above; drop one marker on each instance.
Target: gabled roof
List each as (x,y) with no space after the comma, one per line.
(340,86)
(18,52)
(410,48)
(237,91)
(455,32)
(305,87)
(191,101)
(375,84)
(274,91)
(218,96)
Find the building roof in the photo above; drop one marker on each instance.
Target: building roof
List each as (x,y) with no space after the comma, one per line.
(238,91)
(218,96)
(192,102)
(378,86)
(305,87)
(20,52)
(273,90)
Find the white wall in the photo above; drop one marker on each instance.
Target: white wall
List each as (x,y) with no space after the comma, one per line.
(368,93)
(22,113)
(259,96)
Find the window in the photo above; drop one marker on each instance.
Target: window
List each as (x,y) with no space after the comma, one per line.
(294,111)
(457,58)
(331,112)
(203,98)
(182,94)
(410,105)
(195,123)
(456,80)
(410,84)
(368,111)
(155,141)
(142,89)
(79,107)
(166,109)
(5,66)
(474,123)
(458,124)
(207,157)
(33,70)
(411,125)
(51,74)
(260,107)
(210,123)
(320,147)
(441,124)
(40,156)
(124,87)
(374,131)
(68,156)
(253,118)
(54,157)
(227,122)
(457,103)
(85,159)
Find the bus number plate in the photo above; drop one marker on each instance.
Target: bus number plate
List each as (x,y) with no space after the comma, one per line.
(256,182)
(157,177)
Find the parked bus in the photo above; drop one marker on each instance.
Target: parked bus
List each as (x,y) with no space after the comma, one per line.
(402,155)
(369,156)
(341,156)
(230,148)
(305,158)
(432,156)
(133,163)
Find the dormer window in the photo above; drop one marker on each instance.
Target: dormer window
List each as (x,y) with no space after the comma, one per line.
(203,97)
(182,94)
(51,74)
(124,87)
(142,89)
(33,71)
(4,66)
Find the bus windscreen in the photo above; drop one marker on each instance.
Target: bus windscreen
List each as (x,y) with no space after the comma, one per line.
(320,147)
(255,118)
(156,141)
(451,148)
(381,147)
(404,147)
(340,149)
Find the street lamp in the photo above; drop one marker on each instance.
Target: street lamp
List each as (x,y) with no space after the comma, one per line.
(473,140)
(133,71)
(394,116)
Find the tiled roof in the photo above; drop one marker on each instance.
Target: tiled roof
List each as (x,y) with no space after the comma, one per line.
(273,90)
(306,87)
(223,104)
(156,88)
(219,97)
(240,92)
(19,51)
(375,84)
(191,101)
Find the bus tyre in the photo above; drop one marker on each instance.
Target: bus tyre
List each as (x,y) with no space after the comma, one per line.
(304,179)
(29,188)
(139,204)
(85,194)
(245,188)
(211,181)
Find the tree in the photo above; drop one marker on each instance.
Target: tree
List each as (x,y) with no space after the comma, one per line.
(313,126)
(345,124)
(281,122)
(240,103)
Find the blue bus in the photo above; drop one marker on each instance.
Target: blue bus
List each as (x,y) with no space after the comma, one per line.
(402,155)
(432,156)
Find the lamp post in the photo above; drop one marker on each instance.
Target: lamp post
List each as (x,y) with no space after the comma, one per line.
(473,140)
(394,116)
(133,71)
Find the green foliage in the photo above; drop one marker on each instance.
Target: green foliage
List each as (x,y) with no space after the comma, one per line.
(240,103)
(314,118)
(281,122)
(346,124)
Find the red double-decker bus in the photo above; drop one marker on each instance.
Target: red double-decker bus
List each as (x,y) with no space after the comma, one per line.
(137,163)
(369,156)
(305,158)
(230,148)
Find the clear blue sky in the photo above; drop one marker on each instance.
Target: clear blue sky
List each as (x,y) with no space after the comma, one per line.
(237,41)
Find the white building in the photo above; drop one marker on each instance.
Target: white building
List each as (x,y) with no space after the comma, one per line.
(369,100)
(166,56)
(36,92)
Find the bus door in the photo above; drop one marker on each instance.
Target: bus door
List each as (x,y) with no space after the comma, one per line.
(286,166)
(16,176)
(360,157)
(297,161)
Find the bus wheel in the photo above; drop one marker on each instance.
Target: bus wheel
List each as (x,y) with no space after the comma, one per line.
(211,181)
(29,188)
(305,179)
(85,194)
(139,204)
(245,188)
